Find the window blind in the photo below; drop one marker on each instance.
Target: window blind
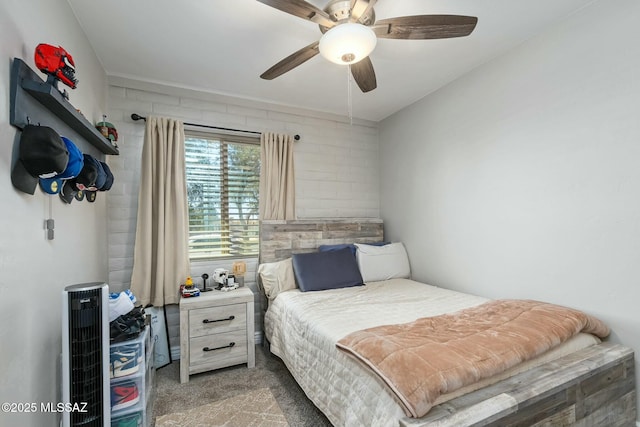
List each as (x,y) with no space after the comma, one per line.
(223,174)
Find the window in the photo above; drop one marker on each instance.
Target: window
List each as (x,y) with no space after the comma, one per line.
(223,175)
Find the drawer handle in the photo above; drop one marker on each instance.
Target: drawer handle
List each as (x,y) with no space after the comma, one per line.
(218,320)
(231,344)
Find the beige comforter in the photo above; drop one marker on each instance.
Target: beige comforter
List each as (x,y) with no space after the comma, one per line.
(421,360)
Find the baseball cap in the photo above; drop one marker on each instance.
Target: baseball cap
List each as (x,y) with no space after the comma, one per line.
(106,185)
(68,190)
(109,181)
(74,166)
(90,172)
(42,154)
(101,178)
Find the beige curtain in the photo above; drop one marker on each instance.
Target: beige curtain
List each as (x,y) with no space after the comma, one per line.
(277,183)
(161,257)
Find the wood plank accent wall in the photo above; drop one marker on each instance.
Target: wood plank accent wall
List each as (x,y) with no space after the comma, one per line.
(280,239)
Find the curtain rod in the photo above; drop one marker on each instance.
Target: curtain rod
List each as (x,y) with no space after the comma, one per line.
(135,117)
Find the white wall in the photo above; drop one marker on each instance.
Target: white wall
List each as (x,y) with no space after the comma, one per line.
(33,270)
(336,168)
(523,175)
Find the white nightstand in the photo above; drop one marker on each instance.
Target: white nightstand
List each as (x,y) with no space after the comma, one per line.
(216,331)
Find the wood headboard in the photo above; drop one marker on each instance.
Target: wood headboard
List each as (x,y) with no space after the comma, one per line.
(280,239)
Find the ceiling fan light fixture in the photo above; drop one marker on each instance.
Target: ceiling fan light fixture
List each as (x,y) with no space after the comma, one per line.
(347,43)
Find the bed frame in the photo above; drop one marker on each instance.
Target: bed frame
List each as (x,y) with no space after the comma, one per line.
(591,387)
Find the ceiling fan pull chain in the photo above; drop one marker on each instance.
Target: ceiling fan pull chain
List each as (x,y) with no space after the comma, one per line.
(349,98)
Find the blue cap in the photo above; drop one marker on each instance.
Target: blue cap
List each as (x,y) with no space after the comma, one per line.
(101,178)
(74,166)
(109,180)
(106,183)
(51,185)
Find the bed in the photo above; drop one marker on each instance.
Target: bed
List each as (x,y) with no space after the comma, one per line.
(582,382)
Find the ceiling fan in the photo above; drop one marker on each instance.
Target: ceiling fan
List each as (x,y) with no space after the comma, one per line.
(350,33)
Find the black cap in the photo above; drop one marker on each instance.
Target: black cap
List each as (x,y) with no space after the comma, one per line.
(68,190)
(42,154)
(89,173)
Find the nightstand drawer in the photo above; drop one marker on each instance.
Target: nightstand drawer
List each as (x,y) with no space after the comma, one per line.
(214,320)
(219,350)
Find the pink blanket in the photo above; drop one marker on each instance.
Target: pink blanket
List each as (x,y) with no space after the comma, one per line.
(421,360)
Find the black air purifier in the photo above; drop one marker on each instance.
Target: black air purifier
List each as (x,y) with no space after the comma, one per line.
(85,355)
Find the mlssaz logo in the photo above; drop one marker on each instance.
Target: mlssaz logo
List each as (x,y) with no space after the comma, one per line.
(63,407)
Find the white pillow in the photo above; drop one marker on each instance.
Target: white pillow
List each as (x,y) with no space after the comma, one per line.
(277,277)
(382,262)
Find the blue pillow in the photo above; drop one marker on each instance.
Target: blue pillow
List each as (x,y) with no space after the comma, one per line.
(351,246)
(327,248)
(334,269)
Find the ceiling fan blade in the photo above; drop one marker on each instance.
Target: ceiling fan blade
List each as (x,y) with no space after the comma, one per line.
(302,9)
(422,27)
(291,61)
(359,8)
(364,75)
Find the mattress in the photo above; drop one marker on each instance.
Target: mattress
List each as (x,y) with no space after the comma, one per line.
(303,329)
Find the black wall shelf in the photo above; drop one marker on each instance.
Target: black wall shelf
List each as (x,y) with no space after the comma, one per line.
(24,111)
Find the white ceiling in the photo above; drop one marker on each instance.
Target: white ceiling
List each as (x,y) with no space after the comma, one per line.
(222,46)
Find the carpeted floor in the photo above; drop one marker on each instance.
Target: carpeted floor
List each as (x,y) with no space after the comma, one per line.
(257,408)
(213,386)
